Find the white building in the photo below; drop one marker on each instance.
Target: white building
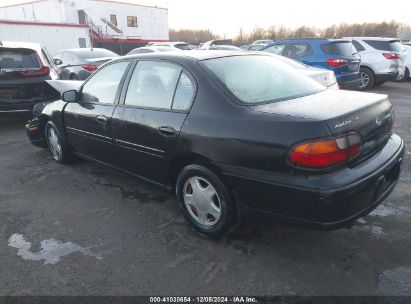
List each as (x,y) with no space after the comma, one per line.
(108,21)
(48,34)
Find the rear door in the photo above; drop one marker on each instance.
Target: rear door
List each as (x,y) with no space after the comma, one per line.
(147,125)
(302,52)
(89,121)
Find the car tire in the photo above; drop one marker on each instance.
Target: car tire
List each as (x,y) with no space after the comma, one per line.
(404,77)
(367,79)
(56,145)
(205,201)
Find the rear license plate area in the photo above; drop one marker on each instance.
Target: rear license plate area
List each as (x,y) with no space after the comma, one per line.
(385,181)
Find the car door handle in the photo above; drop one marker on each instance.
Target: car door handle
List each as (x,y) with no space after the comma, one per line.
(102,119)
(167,131)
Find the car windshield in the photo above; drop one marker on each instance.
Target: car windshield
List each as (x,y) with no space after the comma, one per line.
(95,53)
(18,59)
(260,79)
(339,48)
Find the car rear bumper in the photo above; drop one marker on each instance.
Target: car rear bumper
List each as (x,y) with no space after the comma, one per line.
(35,132)
(380,78)
(350,84)
(327,201)
(10,108)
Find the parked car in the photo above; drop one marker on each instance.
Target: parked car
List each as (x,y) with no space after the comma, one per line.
(152,49)
(382,60)
(78,64)
(23,69)
(208,44)
(180,45)
(406,75)
(252,47)
(225,48)
(263,41)
(232,133)
(337,55)
(325,77)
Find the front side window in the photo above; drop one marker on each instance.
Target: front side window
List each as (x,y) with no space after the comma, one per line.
(153,84)
(257,79)
(276,49)
(104,84)
(132,21)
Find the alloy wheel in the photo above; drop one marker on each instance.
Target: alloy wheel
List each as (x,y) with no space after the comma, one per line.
(365,79)
(202,201)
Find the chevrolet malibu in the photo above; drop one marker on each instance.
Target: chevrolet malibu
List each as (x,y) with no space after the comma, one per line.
(231,133)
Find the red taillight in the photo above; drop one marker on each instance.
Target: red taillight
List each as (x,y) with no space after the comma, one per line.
(43,71)
(391,56)
(336,62)
(90,68)
(326,153)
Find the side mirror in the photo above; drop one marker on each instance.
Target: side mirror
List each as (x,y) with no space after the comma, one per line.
(57,61)
(70,96)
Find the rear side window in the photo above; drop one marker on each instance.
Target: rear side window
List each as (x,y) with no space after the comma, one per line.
(358,46)
(393,45)
(184,93)
(260,79)
(339,48)
(153,84)
(276,49)
(294,50)
(19,59)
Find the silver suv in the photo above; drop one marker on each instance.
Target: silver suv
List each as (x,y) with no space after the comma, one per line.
(382,59)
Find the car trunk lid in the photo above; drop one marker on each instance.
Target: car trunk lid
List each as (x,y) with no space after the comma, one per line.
(371,115)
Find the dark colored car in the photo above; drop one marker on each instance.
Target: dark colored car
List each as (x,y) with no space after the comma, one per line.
(232,133)
(78,64)
(337,55)
(23,69)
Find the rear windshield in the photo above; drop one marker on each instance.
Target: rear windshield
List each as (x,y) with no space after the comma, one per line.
(339,48)
(101,53)
(393,45)
(259,79)
(19,59)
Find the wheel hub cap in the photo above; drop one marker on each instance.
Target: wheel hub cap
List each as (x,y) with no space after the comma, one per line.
(365,79)
(202,201)
(55,146)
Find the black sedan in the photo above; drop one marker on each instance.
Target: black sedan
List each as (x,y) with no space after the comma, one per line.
(78,64)
(231,133)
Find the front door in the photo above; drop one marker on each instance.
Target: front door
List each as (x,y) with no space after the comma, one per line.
(89,121)
(147,125)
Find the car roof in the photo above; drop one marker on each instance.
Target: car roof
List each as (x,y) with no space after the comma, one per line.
(195,55)
(84,50)
(18,44)
(372,38)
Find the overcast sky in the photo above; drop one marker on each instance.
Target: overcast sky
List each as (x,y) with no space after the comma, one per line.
(226,17)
